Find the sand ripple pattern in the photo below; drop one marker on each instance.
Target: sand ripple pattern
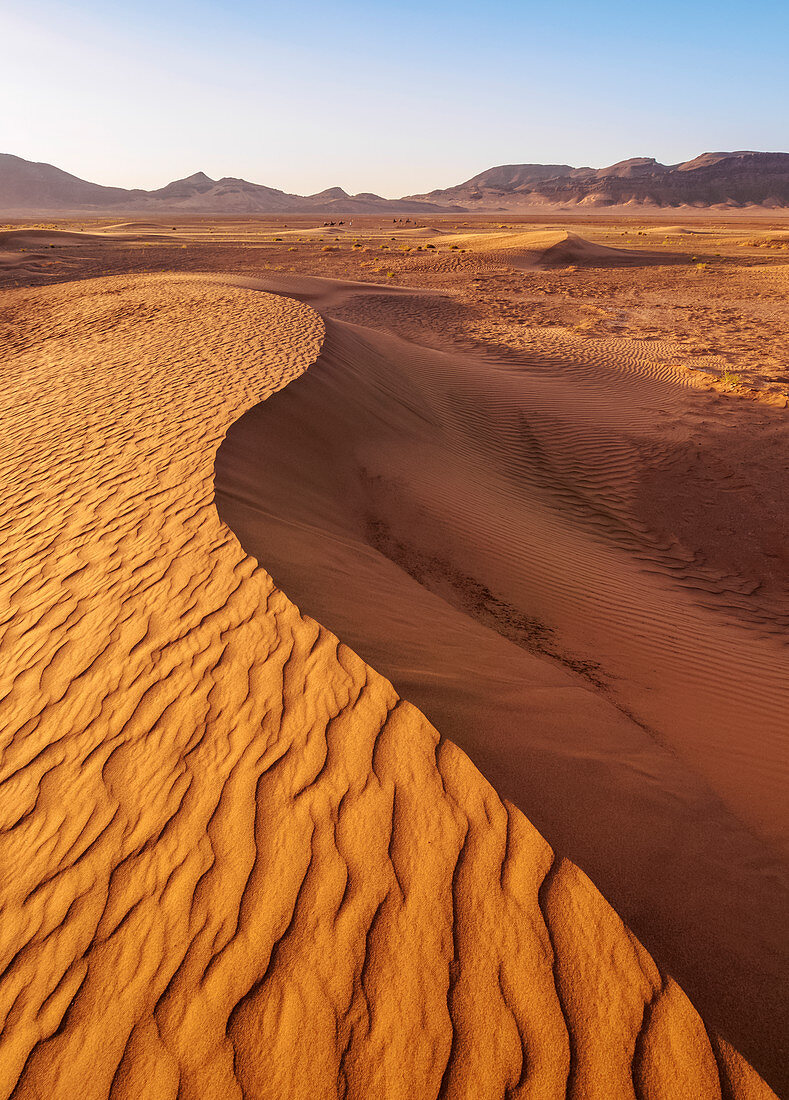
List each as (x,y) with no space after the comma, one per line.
(233,862)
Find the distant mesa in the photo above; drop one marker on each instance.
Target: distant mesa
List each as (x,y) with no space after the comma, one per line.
(735,180)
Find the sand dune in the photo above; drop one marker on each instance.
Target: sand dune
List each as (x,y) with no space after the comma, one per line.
(535,248)
(9,260)
(576,250)
(137,227)
(43,238)
(474,518)
(674,231)
(234,862)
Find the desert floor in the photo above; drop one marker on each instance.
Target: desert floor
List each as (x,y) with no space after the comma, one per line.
(535,475)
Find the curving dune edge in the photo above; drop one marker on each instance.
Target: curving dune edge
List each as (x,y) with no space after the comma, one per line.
(234,862)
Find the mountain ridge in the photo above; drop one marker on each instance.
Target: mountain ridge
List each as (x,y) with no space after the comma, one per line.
(735,180)
(37,187)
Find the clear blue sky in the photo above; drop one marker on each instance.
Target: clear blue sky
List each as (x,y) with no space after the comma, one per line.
(393,98)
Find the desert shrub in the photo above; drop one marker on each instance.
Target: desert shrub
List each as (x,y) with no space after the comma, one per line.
(730,378)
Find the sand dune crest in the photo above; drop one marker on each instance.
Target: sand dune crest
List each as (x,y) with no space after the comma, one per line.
(235,863)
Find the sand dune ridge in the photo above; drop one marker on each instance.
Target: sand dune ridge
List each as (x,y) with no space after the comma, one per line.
(234,862)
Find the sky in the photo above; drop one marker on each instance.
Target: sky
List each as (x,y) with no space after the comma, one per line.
(395,98)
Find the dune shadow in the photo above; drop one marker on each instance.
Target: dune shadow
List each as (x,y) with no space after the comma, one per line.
(328,483)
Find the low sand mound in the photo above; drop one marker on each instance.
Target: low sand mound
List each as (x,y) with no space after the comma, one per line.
(576,250)
(674,231)
(546,248)
(137,227)
(316,231)
(234,861)
(13,239)
(529,241)
(25,239)
(417,231)
(9,260)
(24,263)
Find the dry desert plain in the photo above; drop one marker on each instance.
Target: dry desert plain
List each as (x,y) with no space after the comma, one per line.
(365,588)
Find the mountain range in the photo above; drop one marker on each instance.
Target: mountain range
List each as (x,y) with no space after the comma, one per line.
(726,179)
(29,187)
(730,180)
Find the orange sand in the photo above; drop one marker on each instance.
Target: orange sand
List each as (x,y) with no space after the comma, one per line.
(234,861)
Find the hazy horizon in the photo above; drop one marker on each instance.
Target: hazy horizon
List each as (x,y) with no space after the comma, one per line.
(395,104)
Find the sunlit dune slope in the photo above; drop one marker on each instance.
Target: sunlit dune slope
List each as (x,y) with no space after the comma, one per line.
(234,862)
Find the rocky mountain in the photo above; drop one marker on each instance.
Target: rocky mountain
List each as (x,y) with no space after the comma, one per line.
(727,179)
(732,180)
(30,188)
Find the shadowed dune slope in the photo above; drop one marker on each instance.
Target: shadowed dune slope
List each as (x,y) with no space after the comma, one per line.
(476,531)
(234,862)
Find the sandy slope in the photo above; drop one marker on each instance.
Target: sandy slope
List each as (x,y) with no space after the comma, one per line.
(526,503)
(234,863)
